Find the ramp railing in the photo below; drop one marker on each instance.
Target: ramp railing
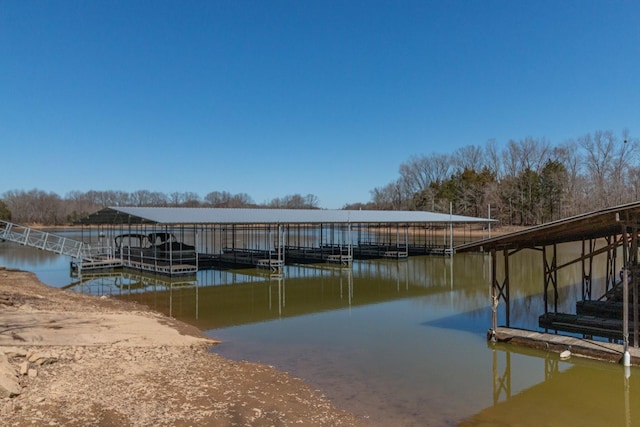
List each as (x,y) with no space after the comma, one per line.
(46,241)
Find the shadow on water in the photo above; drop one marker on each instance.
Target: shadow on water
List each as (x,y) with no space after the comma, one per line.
(402,342)
(475,322)
(525,312)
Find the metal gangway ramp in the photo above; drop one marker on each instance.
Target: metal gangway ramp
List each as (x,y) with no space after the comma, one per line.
(39,239)
(85,257)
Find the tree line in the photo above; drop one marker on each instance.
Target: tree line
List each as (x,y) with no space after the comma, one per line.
(526,182)
(39,207)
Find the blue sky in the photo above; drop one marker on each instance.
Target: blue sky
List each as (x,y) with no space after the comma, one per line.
(273,98)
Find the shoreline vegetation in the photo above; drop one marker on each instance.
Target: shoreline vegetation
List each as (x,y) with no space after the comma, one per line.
(79,360)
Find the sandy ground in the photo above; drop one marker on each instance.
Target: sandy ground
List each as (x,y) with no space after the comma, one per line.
(80,360)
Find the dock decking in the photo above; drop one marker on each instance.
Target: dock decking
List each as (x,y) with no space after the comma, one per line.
(157,268)
(271,264)
(581,347)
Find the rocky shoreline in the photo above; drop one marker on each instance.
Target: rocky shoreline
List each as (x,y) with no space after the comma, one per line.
(78,360)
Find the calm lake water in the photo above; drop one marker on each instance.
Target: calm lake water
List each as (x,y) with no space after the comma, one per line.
(400,342)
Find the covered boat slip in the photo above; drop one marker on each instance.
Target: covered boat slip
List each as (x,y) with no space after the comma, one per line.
(269,238)
(608,290)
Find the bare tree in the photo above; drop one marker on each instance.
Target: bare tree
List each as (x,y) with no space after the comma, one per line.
(634,179)
(420,171)
(241,200)
(470,158)
(35,207)
(493,162)
(601,166)
(526,154)
(569,156)
(217,198)
(295,201)
(390,197)
(312,201)
(224,199)
(141,198)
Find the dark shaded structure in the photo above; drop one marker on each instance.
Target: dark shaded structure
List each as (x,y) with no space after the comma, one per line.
(610,233)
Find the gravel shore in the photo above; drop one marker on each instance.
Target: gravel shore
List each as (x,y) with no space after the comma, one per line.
(78,360)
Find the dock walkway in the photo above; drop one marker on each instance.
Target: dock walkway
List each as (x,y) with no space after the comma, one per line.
(167,269)
(83,256)
(581,347)
(32,237)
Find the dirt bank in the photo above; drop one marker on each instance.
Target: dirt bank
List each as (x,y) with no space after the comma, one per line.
(80,360)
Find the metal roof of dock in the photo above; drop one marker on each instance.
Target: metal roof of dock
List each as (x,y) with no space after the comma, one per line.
(177,216)
(592,225)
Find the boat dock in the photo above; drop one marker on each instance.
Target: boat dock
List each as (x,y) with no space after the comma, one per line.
(609,304)
(181,241)
(581,347)
(168,269)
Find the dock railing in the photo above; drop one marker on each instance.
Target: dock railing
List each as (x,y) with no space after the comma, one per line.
(28,236)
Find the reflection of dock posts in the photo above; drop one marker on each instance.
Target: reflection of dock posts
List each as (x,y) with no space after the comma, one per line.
(399,274)
(349,285)
(170,300)
(501,383)
(281,292)
(627,405)
(551,367)
(451,271)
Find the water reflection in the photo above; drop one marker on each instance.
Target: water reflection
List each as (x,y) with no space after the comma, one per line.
(229,298)
(402,342)
(557,393)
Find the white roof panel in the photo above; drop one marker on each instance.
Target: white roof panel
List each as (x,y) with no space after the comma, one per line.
(281,216)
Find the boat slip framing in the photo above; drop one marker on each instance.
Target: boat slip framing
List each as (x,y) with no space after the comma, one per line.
(605,312)
(203,238)
(272,238)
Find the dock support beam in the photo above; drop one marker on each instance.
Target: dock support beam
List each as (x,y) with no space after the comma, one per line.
(499,290)
(635,272)
(550,277)
(611,263)
(626,358)
(629,276)
(587,270)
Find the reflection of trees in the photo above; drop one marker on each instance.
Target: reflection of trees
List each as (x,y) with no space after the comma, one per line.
(527,284)
(14,254)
